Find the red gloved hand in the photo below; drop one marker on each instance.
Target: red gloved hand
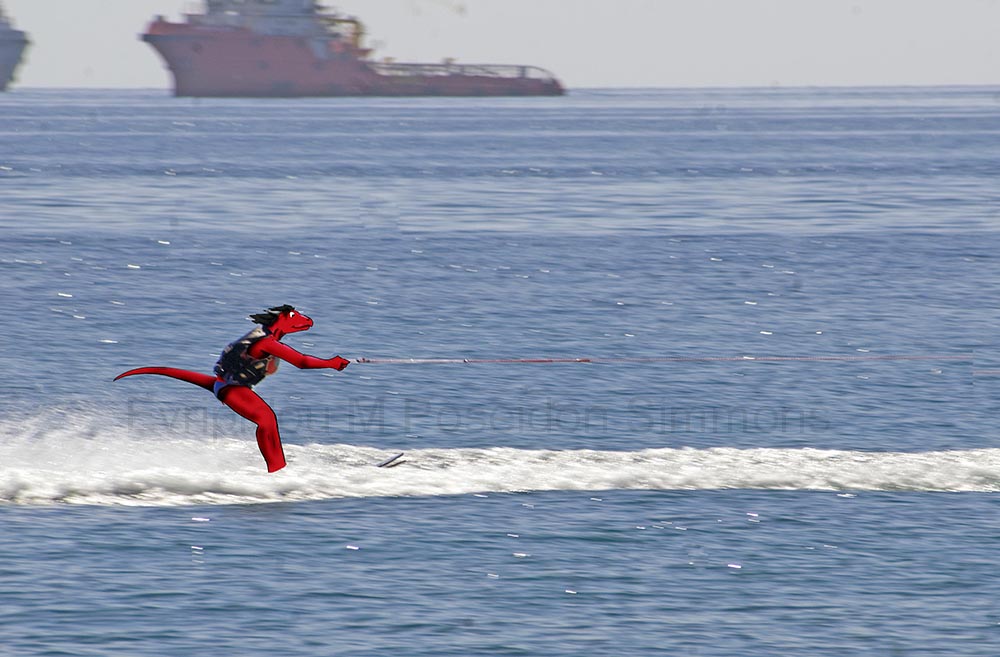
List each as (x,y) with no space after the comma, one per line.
(339,363)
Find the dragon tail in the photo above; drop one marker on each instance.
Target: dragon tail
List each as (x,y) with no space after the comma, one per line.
(201,380)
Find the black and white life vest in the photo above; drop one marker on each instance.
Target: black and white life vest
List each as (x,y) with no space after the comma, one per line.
(236,366)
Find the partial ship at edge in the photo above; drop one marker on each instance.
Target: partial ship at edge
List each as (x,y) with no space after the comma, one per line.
(293,48)
(12,45)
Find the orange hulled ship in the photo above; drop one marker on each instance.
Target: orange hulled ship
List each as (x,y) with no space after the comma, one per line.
(290,48)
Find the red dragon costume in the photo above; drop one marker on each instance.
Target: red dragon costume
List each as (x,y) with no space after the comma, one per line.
(244,363)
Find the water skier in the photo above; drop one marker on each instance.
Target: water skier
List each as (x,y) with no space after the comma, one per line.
(244,363)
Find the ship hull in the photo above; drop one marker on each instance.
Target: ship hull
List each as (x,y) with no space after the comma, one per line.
(239,63)
(12,45)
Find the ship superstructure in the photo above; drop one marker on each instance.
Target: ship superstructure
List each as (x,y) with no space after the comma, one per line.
(12,45)
(298,48)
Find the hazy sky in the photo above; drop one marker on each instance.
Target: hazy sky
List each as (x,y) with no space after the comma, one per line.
(587,43)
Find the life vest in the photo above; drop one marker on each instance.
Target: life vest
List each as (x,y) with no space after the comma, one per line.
(237,367)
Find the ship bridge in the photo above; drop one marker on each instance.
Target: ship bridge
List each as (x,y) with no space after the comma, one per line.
(299,18)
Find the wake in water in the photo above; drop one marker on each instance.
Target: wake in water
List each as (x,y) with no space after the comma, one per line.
(108,466)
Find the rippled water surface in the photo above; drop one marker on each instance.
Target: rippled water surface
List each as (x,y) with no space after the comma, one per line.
(783,444)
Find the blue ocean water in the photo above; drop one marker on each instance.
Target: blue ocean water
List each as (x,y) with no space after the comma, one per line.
(839,504)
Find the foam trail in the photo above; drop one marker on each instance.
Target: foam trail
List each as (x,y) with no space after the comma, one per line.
(112,468)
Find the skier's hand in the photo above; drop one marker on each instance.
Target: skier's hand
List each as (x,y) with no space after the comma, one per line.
(339,363)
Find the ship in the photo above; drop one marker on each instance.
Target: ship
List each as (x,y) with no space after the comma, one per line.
(297,48)
(12,45)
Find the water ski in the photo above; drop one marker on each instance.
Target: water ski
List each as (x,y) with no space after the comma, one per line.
(391,462)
